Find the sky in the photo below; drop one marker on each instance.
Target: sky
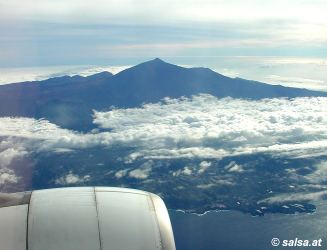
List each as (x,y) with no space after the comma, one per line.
(272,41)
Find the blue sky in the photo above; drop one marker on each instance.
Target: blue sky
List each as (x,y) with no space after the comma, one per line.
(237,37)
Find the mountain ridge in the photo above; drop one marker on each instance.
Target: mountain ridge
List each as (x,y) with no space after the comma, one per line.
(69,101)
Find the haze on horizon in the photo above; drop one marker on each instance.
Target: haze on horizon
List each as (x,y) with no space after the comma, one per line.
(270,41)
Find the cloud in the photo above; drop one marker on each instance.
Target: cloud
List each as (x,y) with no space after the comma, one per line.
(234,167)
(10,154)
(143,172)
(165,11)
(77,32)
(179,46)
(185,171)
(300,72)
(312,186)
(7,176)
(71,178)
(217,182)
(319,174)
(205,186)
(139,173)
(199,131)
(14,75)
(295,197)
(198,127)
(228,72)
(296,82)
(204,165)
(207,127)
(121,173)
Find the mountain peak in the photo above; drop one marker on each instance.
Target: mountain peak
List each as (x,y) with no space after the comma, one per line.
(158,64)
(154,65)
(157,60)
(60,99)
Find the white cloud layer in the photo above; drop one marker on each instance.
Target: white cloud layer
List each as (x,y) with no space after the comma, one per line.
(14,75)
(299,72)
(260,24)
(297,82)
(199,127)
(165,11)
(207,127)
(287,71)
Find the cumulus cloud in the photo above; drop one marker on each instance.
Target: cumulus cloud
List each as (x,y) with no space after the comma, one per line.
(207,127)
(201,130)
(204,165)
(71,178)
(7,176)
(199,127)
(143,172)
(21,135)
(9,154)
(320,173)
(185,171)
(121,173)
(139,173)
(234,167)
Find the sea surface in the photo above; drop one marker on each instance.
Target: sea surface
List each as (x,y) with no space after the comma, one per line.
(233,230)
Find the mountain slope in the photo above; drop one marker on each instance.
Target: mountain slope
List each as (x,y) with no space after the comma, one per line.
(69,101)
(156,79)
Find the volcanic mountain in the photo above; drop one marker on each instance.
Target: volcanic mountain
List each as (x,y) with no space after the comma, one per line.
(70,101)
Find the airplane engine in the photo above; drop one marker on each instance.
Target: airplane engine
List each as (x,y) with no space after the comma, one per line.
(84,218)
